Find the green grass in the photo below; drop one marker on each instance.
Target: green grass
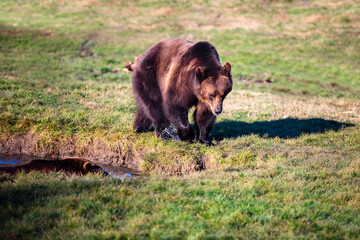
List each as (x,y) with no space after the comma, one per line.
(287,153)
(284,201)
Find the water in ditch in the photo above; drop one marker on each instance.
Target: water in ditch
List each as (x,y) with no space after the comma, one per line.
(17,161)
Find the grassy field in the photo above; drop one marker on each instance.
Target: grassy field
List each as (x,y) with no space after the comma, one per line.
(286,163)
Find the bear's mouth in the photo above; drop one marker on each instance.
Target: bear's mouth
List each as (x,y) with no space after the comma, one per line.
(216,114)
(212,110)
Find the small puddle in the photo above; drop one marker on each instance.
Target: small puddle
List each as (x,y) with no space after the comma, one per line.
(8,162)
(119,172)
(13,160)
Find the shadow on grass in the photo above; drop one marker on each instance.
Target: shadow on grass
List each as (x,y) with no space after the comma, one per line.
(283,128)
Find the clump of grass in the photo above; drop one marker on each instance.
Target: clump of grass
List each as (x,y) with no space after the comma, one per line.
(240,159)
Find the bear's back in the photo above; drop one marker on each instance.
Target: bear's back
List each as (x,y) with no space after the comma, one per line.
(168,68)
(163,54)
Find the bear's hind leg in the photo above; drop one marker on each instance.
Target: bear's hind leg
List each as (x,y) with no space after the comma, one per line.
(142,123)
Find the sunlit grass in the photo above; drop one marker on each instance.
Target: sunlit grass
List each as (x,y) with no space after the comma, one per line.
(286,157)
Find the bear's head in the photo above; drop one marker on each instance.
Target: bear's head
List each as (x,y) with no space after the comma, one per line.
(213,86)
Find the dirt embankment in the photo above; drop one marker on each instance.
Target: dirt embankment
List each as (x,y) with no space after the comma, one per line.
(116,154)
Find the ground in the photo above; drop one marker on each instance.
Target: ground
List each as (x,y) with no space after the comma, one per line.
(287,157)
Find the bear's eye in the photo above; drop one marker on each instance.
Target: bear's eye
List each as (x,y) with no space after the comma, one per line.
(211,96)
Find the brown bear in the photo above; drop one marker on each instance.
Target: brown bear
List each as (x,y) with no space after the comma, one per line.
(72,165)
(170,78)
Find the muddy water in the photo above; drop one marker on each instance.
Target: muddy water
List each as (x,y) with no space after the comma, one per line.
(18,160)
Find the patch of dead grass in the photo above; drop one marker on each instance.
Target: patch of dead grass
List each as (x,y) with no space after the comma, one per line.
(277,107)
(163,11)
(222,23)
(332,4)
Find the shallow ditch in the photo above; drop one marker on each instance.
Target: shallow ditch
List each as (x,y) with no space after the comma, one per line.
(71,165)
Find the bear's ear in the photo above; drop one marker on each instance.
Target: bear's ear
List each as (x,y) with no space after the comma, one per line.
(87,166)
(200,74)
(227,68)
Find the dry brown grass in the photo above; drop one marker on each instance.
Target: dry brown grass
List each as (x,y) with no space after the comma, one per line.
(256,104)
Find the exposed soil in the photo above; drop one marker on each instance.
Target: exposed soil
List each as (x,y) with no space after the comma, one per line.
(28,144)
(118,154)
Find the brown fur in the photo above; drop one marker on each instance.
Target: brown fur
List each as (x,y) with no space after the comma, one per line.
(170,78)
(68,165)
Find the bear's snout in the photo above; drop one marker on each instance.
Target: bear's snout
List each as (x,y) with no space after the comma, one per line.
(215,108)
(218,110)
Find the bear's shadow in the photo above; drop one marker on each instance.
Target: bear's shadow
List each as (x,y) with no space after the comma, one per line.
(288,128)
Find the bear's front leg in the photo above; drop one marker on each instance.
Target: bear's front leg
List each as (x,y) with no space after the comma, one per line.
(178,117)
(204,120)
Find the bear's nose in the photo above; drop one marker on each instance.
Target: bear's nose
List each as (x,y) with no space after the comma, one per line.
(218,110)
